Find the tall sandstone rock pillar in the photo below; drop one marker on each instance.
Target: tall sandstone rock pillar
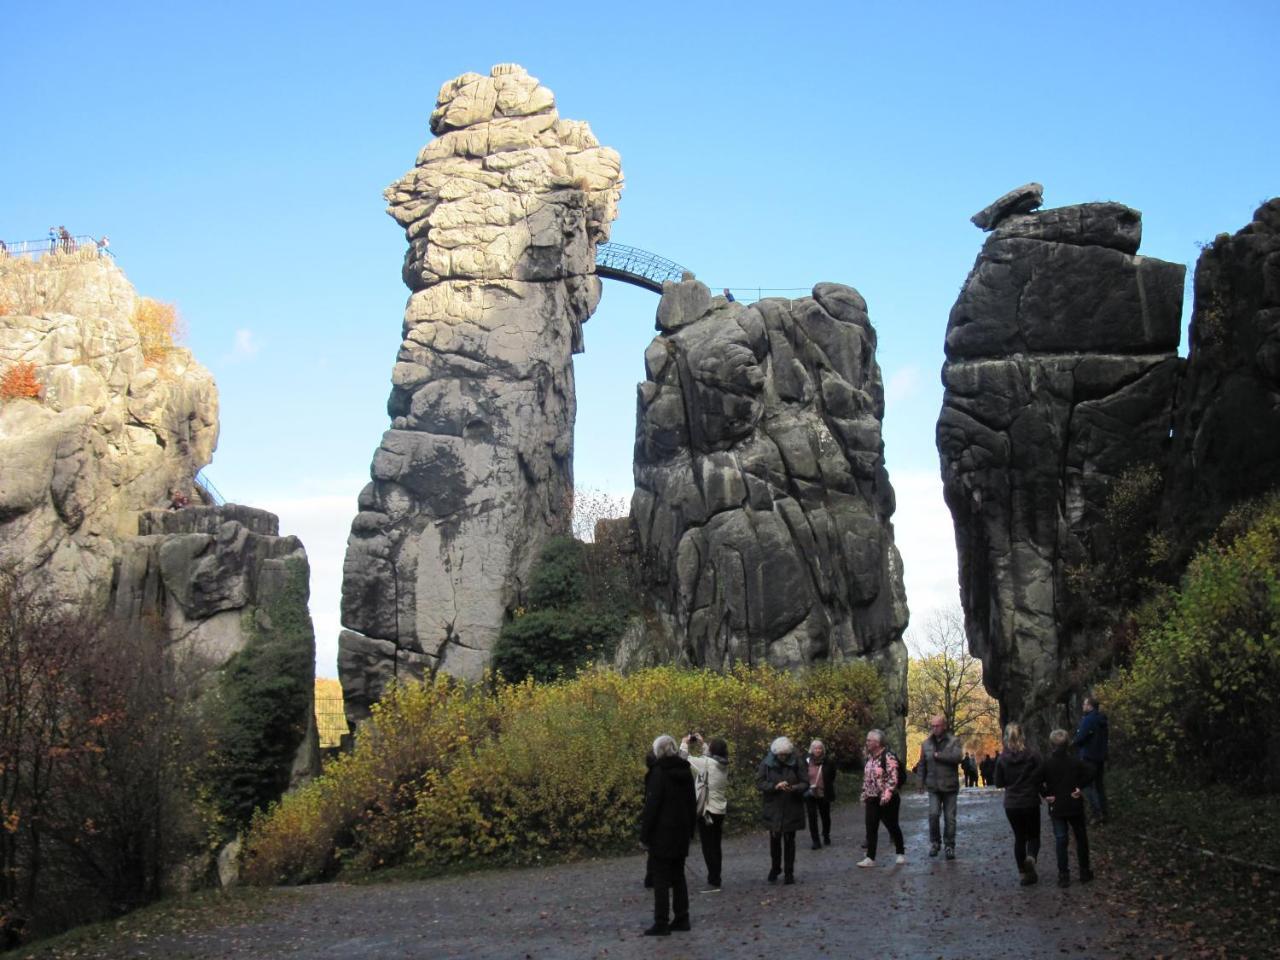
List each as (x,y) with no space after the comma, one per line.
(762,504)
(503,211)
(1060,373)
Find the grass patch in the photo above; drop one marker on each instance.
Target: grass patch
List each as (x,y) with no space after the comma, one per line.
(1216,907)
(175,917)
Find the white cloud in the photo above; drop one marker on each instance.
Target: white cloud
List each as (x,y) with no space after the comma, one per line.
(901,384)
(925,537)
(246,345)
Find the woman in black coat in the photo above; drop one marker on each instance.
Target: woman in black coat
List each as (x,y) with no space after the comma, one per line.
(782,784)
(1019,771)
(666,825)
(822,790)
(1063,780)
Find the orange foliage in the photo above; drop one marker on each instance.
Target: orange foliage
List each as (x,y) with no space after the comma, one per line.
(157,325)
(20,381)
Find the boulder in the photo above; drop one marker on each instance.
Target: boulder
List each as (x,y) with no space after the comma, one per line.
(1060,376)
(762,507)
(1021,199)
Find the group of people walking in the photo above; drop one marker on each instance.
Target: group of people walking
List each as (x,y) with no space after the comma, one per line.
(687,794)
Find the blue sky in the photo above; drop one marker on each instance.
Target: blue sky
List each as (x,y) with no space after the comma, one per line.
(236,154)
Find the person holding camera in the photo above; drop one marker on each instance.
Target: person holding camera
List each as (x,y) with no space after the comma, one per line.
(822,790)
(711,788)
(666,824)
(782,784)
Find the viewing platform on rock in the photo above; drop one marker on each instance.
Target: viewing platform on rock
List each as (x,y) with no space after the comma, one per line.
(82,245)
(640,268)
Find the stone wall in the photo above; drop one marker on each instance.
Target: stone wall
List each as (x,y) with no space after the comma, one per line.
(502,211)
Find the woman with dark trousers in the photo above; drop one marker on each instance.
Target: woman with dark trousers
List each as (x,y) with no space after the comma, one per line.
(782,783)
(822,790)
(711,775)
(1064,780)
(880,797)
(1020,772)
(666,824)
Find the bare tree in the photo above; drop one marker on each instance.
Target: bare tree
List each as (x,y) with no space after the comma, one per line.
(944,678)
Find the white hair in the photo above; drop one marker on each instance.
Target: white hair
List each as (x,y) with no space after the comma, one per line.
(878,734)
(818,743)
(665,746)
(782,745)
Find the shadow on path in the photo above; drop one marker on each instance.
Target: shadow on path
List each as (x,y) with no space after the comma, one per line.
(969,908)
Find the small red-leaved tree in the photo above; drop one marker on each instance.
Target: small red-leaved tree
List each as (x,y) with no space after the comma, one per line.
(20,381)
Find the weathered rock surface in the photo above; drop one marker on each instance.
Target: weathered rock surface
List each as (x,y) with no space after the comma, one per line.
(1060,374)
(503,211)
(87,469)
(1226,439)
(111,436)
(762,504)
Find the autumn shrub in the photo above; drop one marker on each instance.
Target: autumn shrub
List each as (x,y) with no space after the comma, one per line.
(447,773)
(1201,692)
(19,381)
(157,325)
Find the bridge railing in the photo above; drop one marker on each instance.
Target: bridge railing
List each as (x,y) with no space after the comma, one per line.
(35,249)
(210,493)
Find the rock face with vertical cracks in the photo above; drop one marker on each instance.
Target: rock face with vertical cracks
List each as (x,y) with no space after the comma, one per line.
(1227,427)
(1060,373)
(503,211)
(762,504)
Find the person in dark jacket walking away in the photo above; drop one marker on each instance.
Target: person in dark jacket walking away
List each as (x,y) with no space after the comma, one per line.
(1091,747)
(822,790)
(1062,785)
(988,769)
(880,797)
(666,824)
(1019,771)
(649,761)
(940,756)
(782,784)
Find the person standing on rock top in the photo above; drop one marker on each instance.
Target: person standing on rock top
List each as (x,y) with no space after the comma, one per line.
(940,757)
(666,825)
(782,784)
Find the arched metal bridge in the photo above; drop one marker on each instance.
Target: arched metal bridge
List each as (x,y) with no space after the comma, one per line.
(641,268)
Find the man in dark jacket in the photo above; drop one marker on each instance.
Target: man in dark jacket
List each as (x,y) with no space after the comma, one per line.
(1064,778)
(940,756)
(666,824)
(1091,746)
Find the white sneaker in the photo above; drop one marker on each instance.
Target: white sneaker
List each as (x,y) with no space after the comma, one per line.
(902,858)
(866,862)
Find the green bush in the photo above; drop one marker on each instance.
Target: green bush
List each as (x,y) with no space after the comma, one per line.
(1201,691)
(446,773)
(571,618)
(260,706)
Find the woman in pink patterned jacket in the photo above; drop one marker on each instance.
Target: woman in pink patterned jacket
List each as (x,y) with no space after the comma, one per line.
(880,797)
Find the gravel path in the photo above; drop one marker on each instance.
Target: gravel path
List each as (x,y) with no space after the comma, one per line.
(971,907)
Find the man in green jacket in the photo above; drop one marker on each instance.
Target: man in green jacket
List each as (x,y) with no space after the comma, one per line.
(940,757)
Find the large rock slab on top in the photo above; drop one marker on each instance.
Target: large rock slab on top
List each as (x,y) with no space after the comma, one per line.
(1226,436)
(1060,375)
(762,504)
(503,211)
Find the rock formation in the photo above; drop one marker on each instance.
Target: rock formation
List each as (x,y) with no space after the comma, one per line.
(502,211)
(111,435)
(1226,439)
(1060,373)
(762,504)
(86,470)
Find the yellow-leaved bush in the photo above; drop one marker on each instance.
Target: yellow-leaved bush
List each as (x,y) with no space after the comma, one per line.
(447,773)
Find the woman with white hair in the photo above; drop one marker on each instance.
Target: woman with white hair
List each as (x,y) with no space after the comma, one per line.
(666,824)
(822,790)
(782,784)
